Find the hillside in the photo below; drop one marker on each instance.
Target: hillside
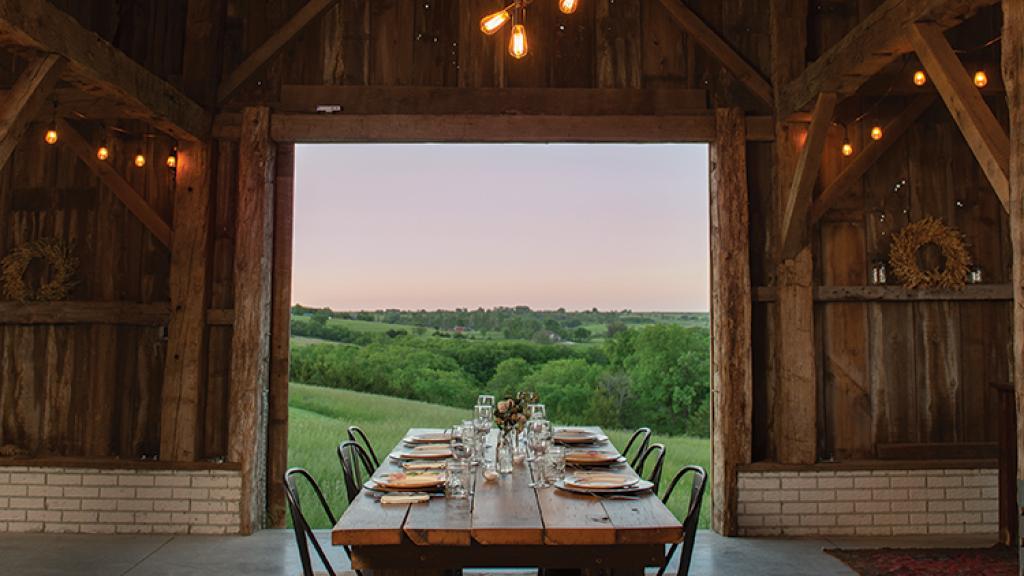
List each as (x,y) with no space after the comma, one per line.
(319,416)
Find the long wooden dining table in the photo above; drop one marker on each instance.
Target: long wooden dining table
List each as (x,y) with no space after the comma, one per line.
(506,523)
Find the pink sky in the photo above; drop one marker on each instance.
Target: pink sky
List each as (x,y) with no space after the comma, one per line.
(549,226)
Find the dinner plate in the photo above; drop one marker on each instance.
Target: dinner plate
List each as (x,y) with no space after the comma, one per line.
(592,458)
(600,480)
(414,482)
(641,486)
(577,436)
(426,452)
(428,438)
(372,486)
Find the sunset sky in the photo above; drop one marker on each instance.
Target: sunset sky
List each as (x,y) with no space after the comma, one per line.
(551,226)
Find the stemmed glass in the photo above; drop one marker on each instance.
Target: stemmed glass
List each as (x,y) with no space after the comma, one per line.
(461,443)
(536,412)
(485,400)
(539,438)
(483,420)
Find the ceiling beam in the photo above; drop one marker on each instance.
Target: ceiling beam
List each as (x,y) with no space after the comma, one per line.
(798,201)
(110,177)
(983,132)
(255,60)
(869,156)
(878,40)
(25,100)
(708,39)
(96,67)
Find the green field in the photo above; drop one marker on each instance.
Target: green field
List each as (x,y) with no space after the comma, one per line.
(318,418)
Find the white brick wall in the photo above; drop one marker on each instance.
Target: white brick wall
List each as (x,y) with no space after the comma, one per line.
(97,501)
(862,502)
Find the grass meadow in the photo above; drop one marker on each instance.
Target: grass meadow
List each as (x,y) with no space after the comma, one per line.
(319,416)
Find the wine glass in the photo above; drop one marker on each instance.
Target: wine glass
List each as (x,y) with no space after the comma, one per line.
(485,400)
(461,443)
(537,411)
(539,439)
(483,420)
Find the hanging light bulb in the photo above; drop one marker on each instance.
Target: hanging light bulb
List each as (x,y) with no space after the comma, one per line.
(567,6)
(51,135)
(493,22)
(140,160)
(103,152)
(517,45)
(876,132)
(980,79)
(172,158)
(919,78)
(847,149)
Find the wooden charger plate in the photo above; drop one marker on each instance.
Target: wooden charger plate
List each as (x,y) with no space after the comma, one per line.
(600,480)
(641,486)
(428,438)
(425,452)
(576,436)
(591,457)
(401,482)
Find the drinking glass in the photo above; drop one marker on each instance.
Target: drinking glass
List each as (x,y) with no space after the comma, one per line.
(536,411)
(539,438)
(555,469)
(461,443)
(485,400)
(483,420)
(458,479)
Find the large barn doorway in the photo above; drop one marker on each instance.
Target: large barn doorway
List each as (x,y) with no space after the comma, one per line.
(424,274)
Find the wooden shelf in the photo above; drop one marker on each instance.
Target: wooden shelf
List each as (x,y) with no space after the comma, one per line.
(975,292)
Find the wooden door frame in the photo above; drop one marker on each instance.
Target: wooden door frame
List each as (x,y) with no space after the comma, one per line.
(724,131)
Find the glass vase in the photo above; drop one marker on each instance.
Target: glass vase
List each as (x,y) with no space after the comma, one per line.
(505,451)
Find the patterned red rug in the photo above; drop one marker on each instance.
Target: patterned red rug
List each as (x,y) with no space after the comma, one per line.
(994,561)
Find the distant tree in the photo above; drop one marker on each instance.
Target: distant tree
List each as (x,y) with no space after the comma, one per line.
(616,327)
(365,316)
(581,334)
(508,376)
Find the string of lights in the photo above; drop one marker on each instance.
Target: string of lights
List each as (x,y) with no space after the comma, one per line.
(103,150)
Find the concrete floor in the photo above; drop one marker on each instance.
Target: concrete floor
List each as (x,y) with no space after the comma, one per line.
(273,553)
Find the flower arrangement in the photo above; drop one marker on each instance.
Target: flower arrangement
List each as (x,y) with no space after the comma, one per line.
(510,413)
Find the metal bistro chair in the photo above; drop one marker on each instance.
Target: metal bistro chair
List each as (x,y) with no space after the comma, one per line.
(356,434)
(700,477)
(303,533)
(641,438)
(356,466)
(656,454)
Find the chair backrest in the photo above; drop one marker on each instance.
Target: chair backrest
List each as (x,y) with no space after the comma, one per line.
(356,434)
(654,454)
(303,533)
(640,438)
(697,485)
(356,466)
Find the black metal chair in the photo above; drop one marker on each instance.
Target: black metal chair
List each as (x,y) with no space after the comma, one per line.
(641,438)
(356,434)
(697,486)
(654,453)
(356,466)
(303,533)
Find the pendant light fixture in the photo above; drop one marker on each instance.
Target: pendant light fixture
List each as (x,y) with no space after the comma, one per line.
(518,44)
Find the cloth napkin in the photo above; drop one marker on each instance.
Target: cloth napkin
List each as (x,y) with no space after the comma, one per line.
(404,498)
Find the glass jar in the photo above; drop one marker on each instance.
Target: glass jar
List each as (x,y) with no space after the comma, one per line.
(506,451)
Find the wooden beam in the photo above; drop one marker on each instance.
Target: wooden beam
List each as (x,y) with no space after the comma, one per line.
(280,328)
(798,199)
(310,128)
(76,312)
(867,158)
(983,132)
(202,58)
(969,293)
(185,366)
(24,101)
(878,40)
(135,203)
(1013,77)
(98,68)
(732,384)
(250,342)
(437,100)
(718,48)
(255,60)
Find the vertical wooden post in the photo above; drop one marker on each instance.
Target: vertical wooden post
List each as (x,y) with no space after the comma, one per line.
(250,344)
(1013,78)
(280,327)
(793,397)
(731,383)
(185,367)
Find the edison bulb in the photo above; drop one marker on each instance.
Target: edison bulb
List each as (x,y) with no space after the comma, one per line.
(980,79)
(493,22)
(876,133)
(172,161)
(919,78)
(51,136)
(517,45)
(568,6)
(847,149)
(140,160)
(103,153)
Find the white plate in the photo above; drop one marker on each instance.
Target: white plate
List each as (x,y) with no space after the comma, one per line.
(641,486)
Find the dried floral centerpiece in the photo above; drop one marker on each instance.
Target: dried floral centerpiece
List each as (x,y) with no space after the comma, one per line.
(510,419)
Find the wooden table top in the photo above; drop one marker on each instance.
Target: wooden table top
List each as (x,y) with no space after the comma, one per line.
(507,512)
